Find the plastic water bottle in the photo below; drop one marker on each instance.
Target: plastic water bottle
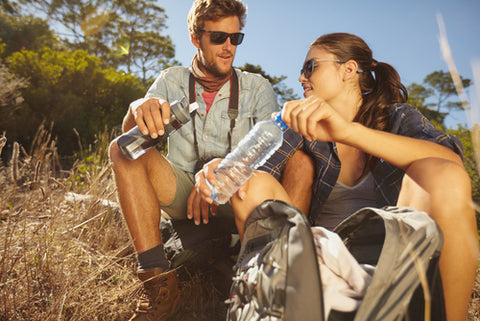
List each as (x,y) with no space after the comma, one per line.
(251,152)
(134,143)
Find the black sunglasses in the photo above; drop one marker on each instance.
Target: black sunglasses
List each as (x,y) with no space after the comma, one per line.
(219,37)
(309,66)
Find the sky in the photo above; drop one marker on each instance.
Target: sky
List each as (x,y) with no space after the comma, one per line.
(404,34)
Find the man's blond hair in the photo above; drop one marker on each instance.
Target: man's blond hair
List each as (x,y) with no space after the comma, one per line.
(212,10)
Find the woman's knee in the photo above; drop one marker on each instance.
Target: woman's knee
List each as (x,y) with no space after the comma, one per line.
(451,182)
(443,184)
(259,188)
(437,175)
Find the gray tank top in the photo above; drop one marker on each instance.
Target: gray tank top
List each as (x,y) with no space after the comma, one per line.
(345,200)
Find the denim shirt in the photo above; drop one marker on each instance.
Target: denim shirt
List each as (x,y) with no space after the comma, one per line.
(257,101)
(405,120)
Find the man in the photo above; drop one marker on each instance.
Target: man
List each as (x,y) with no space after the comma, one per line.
(153,182)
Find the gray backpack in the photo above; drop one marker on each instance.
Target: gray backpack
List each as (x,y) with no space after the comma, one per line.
(277,275)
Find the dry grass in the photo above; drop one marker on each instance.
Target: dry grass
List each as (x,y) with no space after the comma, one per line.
(65,253)
(474,309)
(62,257)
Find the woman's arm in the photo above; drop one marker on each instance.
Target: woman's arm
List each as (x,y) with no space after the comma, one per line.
(400,151)
(317,120)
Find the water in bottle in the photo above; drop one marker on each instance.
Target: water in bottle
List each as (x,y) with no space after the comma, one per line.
(134,144)
(251,152)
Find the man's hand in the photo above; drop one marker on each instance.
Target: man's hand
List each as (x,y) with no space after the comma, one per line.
(151,115)
(199,202)
(200,199)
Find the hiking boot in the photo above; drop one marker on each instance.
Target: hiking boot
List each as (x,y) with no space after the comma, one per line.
(160,297)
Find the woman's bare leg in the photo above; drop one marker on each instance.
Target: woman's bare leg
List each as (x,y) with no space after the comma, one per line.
(443,190)
(259,188)
(297,180)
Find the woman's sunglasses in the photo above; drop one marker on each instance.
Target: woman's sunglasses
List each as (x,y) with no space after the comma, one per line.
(309,66)
(219,37)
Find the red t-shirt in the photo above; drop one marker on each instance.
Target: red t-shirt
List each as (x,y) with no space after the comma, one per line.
(208,97)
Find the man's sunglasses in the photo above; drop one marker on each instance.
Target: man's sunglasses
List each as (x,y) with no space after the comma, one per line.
(309,66)
(219,37)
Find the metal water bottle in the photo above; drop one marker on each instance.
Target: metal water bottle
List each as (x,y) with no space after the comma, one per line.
(134,143)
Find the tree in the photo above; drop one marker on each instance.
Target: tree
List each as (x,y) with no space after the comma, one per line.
(70,90)
(28,33)
(10,95)
(8,7)
(443,88)
(283,92)
(417,94)
(432,97)
(145,50)
(126,33)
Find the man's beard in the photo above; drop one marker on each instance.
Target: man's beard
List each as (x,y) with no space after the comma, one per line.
(213,70)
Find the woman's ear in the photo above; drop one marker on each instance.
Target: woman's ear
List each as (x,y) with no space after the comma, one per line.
(350,69)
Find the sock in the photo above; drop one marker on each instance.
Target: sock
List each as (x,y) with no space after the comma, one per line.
(154,257)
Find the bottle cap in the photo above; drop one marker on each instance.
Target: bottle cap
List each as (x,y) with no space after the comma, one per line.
(277,118)
(180,110)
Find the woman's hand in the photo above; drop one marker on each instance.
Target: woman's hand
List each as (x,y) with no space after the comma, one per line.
(315,119)
(151,115)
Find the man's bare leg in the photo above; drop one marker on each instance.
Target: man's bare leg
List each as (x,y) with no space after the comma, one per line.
(142,185)
(443,190)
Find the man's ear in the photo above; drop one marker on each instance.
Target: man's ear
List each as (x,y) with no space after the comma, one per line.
(195,41)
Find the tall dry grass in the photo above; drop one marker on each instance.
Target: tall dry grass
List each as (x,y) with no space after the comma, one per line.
(65,253)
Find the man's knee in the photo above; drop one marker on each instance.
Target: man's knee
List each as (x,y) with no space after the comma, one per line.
(151,160)
(114,153)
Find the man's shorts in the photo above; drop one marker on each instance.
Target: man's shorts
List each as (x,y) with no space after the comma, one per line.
(177,209)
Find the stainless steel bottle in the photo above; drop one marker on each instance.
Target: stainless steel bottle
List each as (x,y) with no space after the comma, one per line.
(133,143)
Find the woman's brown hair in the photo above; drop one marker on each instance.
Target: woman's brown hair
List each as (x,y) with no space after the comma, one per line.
(379,82)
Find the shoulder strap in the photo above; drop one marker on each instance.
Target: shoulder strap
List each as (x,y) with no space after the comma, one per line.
(191,100)
(233,106)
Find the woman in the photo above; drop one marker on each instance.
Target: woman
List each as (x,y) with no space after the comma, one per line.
(363,138)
